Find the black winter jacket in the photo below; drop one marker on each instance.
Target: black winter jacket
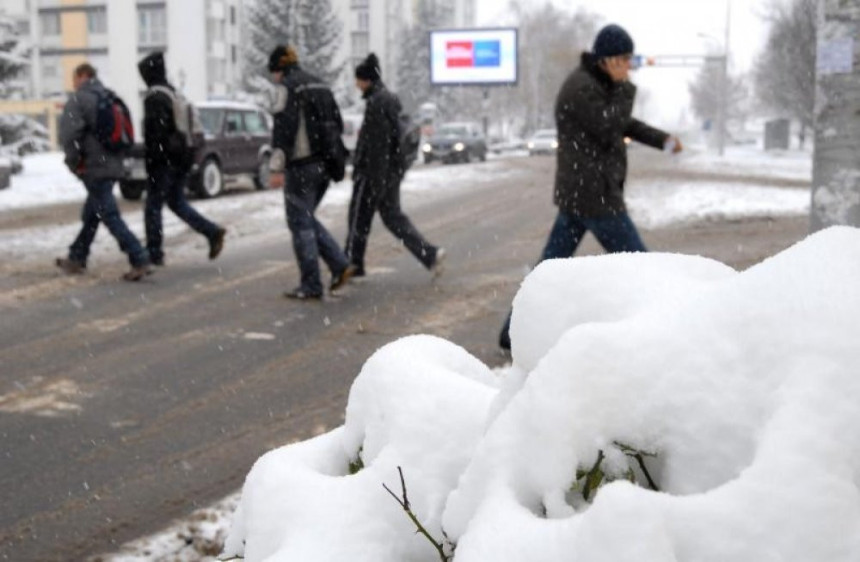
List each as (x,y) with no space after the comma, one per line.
(593,115)
(166,145)
(377,151)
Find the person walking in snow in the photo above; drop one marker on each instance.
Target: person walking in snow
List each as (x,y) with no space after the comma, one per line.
(168,136)
(593,114)
(99,168)
(377,172)
(306,179)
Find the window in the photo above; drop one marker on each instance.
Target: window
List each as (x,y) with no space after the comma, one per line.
(217,70)
(232,15)
(216,29)
(234,124)
(255,123)
(50,23)
(97,21)
(210,120)
(360,45)
(151,25)
(362,20)
(234,54)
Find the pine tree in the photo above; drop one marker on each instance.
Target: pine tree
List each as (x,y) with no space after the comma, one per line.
(311,26)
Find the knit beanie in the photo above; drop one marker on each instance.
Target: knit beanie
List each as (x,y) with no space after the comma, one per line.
(612,41)
(368,69)
(282,57)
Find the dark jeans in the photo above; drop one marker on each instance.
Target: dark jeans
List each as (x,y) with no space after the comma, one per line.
(385,198)
(305,186)
(166,184)
(101,207)
(616,233)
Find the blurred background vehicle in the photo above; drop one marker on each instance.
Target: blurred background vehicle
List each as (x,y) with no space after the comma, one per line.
(544,141)
(236,142)
(455,142)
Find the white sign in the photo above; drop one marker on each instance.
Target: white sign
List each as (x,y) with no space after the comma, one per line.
(835,57)
(473,56)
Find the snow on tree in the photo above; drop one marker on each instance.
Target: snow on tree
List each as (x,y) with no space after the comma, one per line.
(311,26)
(17,132)
(706,94)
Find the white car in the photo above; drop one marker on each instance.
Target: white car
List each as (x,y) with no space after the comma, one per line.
(544,141)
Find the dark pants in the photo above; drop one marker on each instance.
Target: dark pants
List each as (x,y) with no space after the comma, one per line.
(168,185)
(305,186)
(616,233)
(385,198)
(101,207)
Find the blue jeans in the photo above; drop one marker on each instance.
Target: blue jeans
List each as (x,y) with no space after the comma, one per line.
(305,186)
(168,185)
(100,207)
(616,233)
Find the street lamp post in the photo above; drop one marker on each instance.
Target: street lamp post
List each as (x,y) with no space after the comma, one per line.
(723,104)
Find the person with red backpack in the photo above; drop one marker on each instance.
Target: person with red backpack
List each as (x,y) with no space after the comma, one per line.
(168,132)
(95,131)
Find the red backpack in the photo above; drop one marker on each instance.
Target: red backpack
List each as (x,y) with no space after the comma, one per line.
(114,129)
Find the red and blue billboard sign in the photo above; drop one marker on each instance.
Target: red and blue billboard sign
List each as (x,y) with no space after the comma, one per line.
(473,56)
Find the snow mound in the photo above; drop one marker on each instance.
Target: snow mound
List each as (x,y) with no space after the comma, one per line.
(744,385)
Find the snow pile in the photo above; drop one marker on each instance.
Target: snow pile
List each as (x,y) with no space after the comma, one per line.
(744,385)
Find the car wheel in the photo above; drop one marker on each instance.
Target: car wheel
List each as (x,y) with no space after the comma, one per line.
(131,190)
(483,155)
(467,157)
(261,178)
(210,182)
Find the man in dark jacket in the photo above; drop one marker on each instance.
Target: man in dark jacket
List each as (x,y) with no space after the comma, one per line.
(593,116)
(306,179)
(99,168)
(377,173)
(168,132)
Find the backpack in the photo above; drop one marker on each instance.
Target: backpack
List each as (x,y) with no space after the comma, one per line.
(185,115)
(409,138)
(114,129)
(324,126)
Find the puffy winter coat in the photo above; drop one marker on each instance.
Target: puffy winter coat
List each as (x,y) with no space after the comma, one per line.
(377,151)
(85,155)
(593,115)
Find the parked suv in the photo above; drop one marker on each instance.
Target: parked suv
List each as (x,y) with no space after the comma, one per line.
(236,141)
(455,142)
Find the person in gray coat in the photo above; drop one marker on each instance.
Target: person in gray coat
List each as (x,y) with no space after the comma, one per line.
(593,114)
(98,168)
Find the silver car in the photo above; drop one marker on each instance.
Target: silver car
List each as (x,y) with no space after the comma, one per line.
(544,141)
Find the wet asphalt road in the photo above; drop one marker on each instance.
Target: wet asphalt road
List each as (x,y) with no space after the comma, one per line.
(123,406)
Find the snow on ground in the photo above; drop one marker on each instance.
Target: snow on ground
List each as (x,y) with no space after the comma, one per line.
(655,358)
(741,388)
(652,203)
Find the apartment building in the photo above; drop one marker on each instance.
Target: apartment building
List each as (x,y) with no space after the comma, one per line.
(377,26)
(201,40)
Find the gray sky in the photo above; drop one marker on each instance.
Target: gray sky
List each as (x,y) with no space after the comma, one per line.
(662,27)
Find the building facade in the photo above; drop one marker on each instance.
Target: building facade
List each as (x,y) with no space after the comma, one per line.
(201,40)
(378,25)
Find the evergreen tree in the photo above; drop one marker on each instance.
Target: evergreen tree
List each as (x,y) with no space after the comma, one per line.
(311,26)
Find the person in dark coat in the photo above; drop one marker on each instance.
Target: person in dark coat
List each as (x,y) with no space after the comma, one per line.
(377,173)
(305,181)
(169,156)
(593,114)
(99,169)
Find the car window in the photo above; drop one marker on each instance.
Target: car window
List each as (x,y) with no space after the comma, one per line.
(233,125)
(210,120)
(255,123)
(453,130)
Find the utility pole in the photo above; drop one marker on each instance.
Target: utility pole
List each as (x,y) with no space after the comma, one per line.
(836,163)
(724,83)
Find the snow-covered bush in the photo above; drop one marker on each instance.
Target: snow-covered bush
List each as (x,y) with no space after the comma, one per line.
(744,385)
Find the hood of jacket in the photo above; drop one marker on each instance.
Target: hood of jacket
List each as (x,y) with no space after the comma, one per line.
(152,69)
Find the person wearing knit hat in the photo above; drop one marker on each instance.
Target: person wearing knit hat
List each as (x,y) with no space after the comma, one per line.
(297,166)
(593,114)
(377,172)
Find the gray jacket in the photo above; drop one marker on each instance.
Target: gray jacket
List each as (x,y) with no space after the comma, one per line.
(85,155)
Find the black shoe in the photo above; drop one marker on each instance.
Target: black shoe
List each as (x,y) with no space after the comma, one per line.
(137,272)
(300,294)
(157,261)
(339,280)
(216,243)
(70,266)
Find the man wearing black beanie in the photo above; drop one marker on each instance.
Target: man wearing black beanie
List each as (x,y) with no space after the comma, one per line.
(377,172)
(297,165)
(593,114)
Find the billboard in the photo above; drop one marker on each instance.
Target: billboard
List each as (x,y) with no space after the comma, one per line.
(473,56)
